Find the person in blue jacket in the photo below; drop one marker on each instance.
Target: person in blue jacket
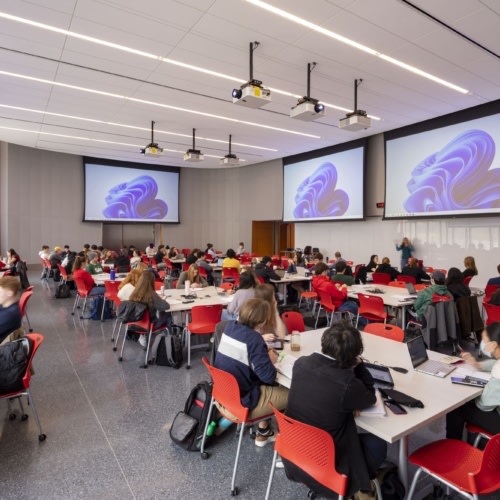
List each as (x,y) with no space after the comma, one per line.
(244,353)
(406,249)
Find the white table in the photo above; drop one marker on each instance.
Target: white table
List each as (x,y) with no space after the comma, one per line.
(99,279)
(439,395)
(289,278)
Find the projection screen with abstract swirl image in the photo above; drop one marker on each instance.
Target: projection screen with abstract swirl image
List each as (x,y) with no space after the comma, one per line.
(321,187)
(128,192)
(448,171)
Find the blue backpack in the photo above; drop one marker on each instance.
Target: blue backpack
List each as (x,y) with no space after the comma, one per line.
(96,310)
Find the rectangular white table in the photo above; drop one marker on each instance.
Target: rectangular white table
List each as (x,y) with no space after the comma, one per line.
(287,279)
(439,395)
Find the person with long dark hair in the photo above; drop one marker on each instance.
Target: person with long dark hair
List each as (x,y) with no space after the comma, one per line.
(246,291)
(455,284)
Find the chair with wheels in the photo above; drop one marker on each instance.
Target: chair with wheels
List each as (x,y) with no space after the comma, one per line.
(226,392)
(381,278)
(385,330)
(294,321)
(460,466)
(35,340)
(203,322)
(371,308)
(312,450)
(23,302)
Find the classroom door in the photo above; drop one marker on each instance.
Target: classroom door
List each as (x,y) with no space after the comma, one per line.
(271,237)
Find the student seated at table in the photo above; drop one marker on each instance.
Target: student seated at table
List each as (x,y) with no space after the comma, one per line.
(496,279)
(412,269)
(371,267)
(127,286)
(328,390)
(243,352)
(425,296)
(94,266)
(495,298)
(135,259)
(10,313)
(275,326)
(241,249)
(317,259)
(264,269)
(80,273)
(484,411)
(340,273)
(193,276)
(246,291)
(337,291)
(231,260)
(385,267)
(160,256)
(209,250)
(174,254)
(470,267)
(455,284)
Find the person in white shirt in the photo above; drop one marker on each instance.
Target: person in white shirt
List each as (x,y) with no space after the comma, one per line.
(210,250)
(151,250)
(44,253)
(241,249)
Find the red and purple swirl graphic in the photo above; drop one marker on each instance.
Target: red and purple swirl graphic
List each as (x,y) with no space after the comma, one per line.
(317,197)
(135,199)
(457,177)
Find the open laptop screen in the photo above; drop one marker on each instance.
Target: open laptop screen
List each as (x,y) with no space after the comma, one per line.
(418,353)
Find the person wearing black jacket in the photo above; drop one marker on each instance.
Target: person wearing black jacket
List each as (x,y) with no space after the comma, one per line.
(265,270)
(386,268)
(455,284)
(412,269)
(338,376)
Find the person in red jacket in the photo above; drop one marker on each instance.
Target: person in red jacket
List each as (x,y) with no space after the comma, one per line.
(338,292)
(80,273)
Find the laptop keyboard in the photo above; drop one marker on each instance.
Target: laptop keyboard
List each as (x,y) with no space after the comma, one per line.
(431,366)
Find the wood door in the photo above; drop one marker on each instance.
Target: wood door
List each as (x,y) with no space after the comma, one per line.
(263,237)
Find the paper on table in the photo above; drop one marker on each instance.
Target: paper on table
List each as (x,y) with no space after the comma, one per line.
(470,371)
(451,360)
(377,410)
(285,364)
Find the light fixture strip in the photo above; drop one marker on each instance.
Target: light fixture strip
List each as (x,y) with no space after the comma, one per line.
(356,45)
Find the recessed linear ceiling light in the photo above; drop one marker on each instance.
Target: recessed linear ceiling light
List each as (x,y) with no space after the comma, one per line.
(133,127)
(148,55)
(356,45)
(157,104)
(91,139)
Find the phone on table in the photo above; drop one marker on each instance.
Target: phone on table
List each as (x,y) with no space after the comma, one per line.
(396,408)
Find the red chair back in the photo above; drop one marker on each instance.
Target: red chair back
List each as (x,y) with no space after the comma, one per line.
(311,449)
(227,286)
(294,321)
(325,301)
(23,300)
(371,307)
(226,391)
(407,279)
(186,252)
(467,280)
(492,312)
(381,278)
(111,288)
(230,272)
(80,287)
(185,266)
(203,272)
(144,323)
(204,319)
(63,272)
(489,290)
(391,332)
(487,479)
(398,284)
(440,298)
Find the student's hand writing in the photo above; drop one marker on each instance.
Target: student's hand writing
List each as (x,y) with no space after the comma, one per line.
(269,337)
(273,355)
(469,359)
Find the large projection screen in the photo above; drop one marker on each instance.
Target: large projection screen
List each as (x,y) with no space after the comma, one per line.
(130,192)
(447,167)
(325,185)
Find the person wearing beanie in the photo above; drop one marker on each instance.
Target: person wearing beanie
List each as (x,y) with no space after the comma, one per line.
(425,296)
(93,267)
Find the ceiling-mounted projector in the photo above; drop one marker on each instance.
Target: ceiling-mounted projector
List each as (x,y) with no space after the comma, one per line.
(193,155)
(355,121)
(152,150)
(307,109)
(230,161)
(252,94)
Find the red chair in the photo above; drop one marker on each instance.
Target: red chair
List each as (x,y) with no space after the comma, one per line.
(391,332)
(203,272)
(460,466)
(63,273)
(23,301)
(398,284)
(185,266)
(143,327)
(489,290)
(492,313)
(111,293)
(185,252)
(407,279)
(429,269)
(81,292)
(440,298)
(371,308)
(294,321)
(226,392)
(325,302)
(158,285)
(227,286)
(36,339)
(381,278)
(481,433)
(116,302)
(203,322)
(260,279)
(47,269)
(467,280)
(230,274)
(444,271)
(308,296)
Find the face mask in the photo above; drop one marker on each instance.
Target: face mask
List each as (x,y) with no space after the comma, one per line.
(483,350)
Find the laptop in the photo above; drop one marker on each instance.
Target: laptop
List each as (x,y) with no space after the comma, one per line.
(422,363)
(381,376)
(220,260)
(411,289)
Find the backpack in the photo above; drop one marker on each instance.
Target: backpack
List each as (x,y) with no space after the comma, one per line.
(14,357)
(96,310)
(167,350)
(189,425)
(391,486)
(63,291)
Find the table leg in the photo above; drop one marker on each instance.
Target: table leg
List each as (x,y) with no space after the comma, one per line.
(403,461)
(403,317)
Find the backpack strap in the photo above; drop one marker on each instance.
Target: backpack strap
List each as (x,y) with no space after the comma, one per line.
(168,346)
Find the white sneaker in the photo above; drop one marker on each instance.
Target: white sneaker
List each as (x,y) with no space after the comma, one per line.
(262,438)
(143,341)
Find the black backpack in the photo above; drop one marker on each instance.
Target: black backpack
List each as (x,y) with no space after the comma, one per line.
(167,350)
(188,425)
(63,291)
(14,357)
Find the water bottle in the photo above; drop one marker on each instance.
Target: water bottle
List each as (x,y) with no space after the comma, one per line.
(211,428)
(112,275)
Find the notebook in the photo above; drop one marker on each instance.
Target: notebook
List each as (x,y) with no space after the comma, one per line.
(301,271)
(381,375)
(422,363)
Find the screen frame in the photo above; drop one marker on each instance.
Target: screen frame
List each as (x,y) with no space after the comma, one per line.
(317,153)
(462,116)
(139,167)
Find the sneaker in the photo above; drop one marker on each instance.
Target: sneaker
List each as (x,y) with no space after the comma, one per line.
(143,341)
(264,436)
(279,463)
